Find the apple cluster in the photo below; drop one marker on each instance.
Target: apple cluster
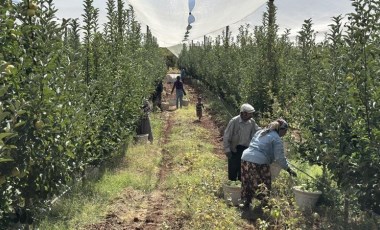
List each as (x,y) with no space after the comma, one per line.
(32,7)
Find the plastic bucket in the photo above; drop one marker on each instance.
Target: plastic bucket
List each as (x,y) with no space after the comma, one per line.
(232,194)
(172,102)
(165,105)
(185,102)
(304,199)
(142,139)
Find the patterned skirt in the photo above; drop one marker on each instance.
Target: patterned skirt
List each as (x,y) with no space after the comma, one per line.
(255,181)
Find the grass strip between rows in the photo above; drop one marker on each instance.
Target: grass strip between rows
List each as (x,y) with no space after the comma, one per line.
(89,202)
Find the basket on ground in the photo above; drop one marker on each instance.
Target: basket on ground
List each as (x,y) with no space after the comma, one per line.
(165,105)
(142,139)
(172,102)
(306,199)
(185,102)
(232,193)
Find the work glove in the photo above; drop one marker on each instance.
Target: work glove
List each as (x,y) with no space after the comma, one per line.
(291,172)
(228,155)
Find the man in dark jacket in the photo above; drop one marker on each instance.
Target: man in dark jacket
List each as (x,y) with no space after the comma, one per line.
(179,92)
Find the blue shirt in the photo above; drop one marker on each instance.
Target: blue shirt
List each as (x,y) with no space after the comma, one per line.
(266,149)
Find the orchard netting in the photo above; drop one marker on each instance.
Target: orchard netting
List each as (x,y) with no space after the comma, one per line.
(177,22)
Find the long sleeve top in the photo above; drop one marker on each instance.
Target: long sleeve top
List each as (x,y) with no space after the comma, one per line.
(266,149)
(238,132)
(178,85)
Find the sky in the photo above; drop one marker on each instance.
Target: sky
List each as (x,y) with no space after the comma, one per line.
(291,14)
(214,15)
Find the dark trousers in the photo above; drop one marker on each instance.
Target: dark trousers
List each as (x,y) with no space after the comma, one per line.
(234,164)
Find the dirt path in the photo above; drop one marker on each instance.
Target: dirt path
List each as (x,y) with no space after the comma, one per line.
(135,209)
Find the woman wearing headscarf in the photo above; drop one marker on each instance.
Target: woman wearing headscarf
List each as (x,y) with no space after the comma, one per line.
(265,148)
(144,127)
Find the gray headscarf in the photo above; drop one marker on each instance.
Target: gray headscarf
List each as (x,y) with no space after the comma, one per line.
(275,126)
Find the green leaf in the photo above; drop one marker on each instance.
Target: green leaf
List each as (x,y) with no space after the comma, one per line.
(20,124)
(3,90)
(12,107)
(4,135)
(20,112)
(70,154)
(3,115)
(5,160)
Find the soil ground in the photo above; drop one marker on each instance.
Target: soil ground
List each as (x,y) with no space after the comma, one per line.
(138,210)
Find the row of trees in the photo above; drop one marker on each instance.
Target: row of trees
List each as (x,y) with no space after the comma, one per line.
(66,102)
(328,90)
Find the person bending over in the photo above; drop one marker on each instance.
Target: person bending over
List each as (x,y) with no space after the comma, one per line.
(265,148)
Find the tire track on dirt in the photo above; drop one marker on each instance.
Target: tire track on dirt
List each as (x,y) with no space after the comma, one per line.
(159,203)
(158,215)
(135,209)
